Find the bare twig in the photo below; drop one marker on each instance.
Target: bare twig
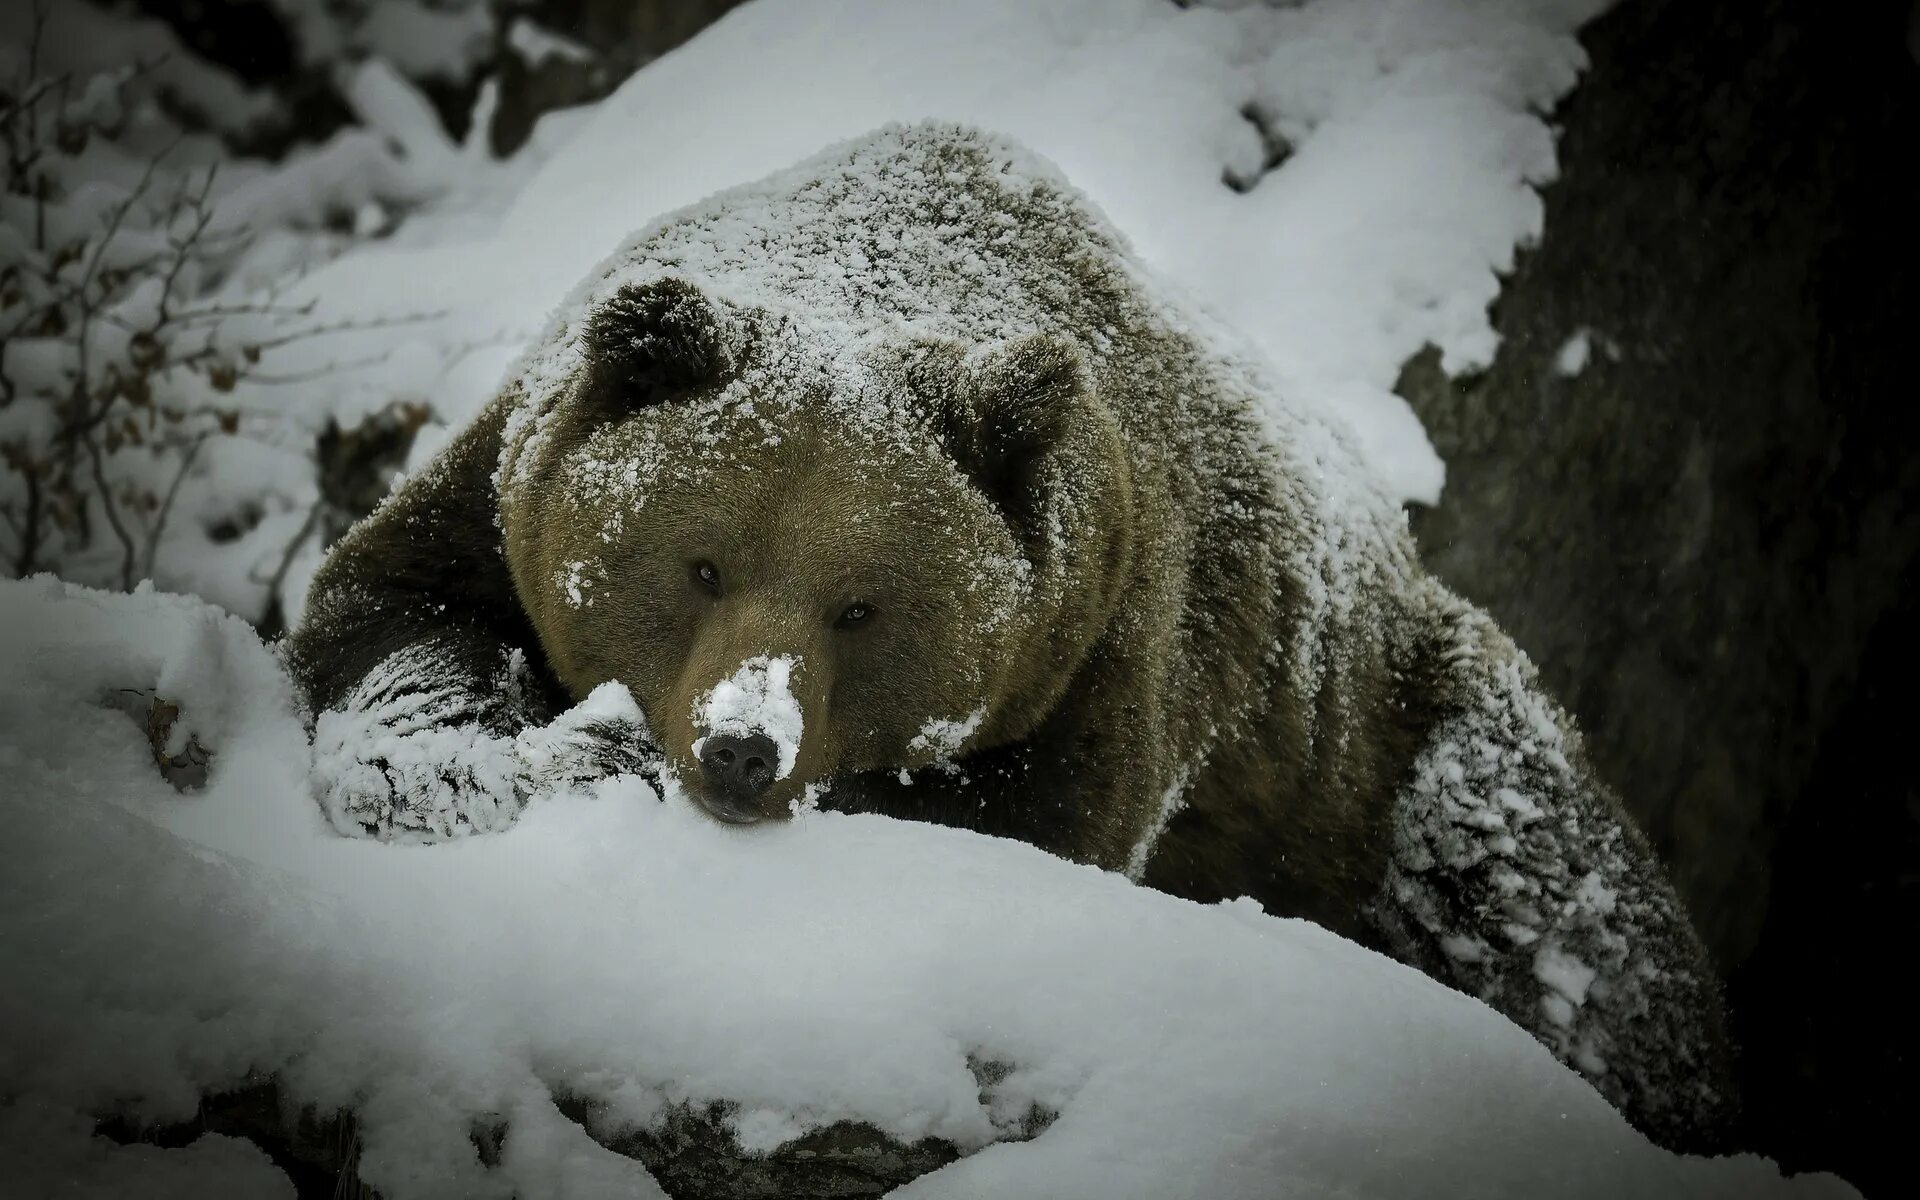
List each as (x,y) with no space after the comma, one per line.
(112,511)
(202,217)
(117,215)
(275,616)
(166,506)
(164,236)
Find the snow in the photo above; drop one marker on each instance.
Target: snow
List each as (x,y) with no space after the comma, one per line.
(1416,142)
(430,40)
(84,40)
(425,764)
(1171,802)
(447,771)
(51,1154)
(1544,910)
(1571,359)
(535,43)
(756,699)
(620,945)
(633,951)
(943,737)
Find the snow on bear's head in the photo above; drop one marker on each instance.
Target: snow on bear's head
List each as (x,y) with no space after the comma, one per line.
(802,546)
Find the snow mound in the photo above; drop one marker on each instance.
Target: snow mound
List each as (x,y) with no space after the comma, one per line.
(629,950)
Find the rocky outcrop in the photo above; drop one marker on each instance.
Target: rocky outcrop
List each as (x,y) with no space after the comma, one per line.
(1687,483)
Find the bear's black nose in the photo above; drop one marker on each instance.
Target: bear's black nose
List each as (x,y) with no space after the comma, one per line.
(740,767)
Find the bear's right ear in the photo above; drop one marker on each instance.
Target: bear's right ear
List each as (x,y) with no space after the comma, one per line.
(650,341)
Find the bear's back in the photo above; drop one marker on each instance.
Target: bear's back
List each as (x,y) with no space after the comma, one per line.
(938,227)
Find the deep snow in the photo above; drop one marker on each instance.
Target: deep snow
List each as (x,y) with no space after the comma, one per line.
(637,952)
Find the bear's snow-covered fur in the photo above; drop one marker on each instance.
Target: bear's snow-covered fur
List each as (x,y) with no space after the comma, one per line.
(1179,630)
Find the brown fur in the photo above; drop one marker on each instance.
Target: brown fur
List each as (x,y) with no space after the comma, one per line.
(1209,635)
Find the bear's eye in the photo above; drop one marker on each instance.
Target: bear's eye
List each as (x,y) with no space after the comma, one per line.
(706,575)
(852,615)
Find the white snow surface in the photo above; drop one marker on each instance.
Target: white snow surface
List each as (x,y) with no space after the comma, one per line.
(631,950)
(1415,134)
(756,698)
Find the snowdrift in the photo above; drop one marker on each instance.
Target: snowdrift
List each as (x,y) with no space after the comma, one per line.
(621,948)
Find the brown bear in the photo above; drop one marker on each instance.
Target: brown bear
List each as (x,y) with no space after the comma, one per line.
(895,483)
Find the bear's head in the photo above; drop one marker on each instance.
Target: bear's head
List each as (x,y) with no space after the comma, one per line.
(805,554)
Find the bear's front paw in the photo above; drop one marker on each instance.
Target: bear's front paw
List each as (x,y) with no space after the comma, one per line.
(421,785)
(602,736)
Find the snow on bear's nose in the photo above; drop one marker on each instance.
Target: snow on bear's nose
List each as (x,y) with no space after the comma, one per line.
(756,703)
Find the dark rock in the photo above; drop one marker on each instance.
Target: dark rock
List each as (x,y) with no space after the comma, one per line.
(621,35)
(1695,534)
(694,1156)
(692,1153)
(185,770)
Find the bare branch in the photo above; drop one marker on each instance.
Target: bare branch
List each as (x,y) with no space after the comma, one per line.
(112,511)
(184,246)
(118,214)
(274,615)
(166,506)
(214,312)
(42,13)
(331,367)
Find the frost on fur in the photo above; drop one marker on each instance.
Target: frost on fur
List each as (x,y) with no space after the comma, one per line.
(412,757)
(1515,878)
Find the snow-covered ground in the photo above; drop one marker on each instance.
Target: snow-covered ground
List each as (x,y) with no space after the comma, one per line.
(630,950)
(637,952)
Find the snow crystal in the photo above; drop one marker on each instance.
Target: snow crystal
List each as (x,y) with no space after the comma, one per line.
(755,699)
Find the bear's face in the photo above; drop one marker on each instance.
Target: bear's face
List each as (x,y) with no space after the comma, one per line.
(806,566)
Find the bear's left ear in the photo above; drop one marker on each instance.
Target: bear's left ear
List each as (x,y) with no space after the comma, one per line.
(650,341)
(1039,442)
